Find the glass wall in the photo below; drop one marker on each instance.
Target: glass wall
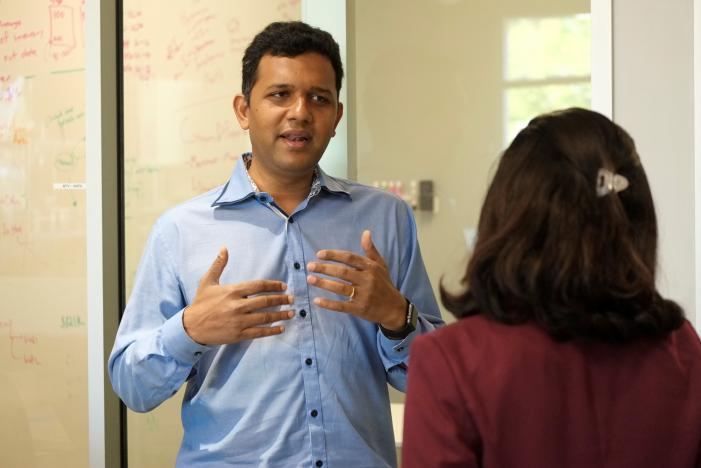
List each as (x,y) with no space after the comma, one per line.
(182,68)
(43,313)
(437,88)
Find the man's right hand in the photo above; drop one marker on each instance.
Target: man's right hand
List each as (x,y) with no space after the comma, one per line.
(225,314)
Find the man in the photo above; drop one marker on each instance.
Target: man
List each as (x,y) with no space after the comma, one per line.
(286,341)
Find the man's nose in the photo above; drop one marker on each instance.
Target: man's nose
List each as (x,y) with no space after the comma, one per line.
(299,110)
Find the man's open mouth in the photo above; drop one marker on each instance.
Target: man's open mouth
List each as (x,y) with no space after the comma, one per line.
(296,137)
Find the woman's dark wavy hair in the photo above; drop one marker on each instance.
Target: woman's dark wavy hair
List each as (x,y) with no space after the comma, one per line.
(288,39)
(549,250)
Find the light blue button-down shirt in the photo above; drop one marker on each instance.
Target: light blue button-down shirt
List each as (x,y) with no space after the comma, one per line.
(316,395)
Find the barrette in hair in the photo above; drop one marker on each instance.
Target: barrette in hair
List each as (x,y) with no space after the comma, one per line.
(607,182)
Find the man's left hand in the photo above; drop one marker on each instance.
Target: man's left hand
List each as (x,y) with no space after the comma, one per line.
(366,282)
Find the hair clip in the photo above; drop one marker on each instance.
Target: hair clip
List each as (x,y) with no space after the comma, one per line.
(607,182)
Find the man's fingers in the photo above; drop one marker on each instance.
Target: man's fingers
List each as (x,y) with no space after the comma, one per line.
(369,247)
(265,301)
(258,319)
(249,288)
(335,270)
(343,256)
(255,324)
(342,289)
(357,261)
(215,270)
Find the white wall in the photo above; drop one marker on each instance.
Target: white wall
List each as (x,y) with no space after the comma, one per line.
(653,89)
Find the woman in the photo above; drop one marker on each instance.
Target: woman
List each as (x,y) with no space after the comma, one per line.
(565,354)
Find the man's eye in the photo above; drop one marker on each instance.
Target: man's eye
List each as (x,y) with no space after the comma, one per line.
(319,99)
(279,94)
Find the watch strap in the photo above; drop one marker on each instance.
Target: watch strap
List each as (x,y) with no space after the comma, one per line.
(409,325)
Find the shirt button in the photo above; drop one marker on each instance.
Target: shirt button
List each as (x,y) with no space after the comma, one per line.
(198,353)
(296,265)
(302,313)
(291,219)
(314,413)
(308,361)
(319,463)
(400,349)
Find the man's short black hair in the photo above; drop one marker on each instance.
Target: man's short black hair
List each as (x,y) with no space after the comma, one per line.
(288,39)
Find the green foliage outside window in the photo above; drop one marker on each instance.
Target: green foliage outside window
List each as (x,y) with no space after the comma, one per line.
(547,67)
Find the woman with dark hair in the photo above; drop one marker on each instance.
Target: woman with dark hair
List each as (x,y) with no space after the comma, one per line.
(565,354)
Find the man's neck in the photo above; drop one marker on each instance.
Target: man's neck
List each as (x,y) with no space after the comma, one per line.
(288,191)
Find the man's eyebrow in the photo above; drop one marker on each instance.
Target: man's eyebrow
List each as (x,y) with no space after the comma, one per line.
(279,86)
(319,90)
(287,86)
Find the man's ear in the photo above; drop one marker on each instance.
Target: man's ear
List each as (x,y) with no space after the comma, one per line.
(339,114)
(241,110)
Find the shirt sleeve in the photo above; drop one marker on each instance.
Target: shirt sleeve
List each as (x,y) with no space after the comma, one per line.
(153,355)
(438,428)
(414,284)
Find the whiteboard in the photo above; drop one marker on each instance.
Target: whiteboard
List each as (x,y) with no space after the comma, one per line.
(43,359)
(182,68)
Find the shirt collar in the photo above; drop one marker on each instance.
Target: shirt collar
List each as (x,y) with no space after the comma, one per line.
(241,187)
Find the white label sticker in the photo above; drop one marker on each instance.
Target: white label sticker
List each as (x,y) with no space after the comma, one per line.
(69,186)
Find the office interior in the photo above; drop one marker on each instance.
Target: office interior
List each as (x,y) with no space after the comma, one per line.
(110,112)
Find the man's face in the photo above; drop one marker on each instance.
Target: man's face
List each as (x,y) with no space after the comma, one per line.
(292,114)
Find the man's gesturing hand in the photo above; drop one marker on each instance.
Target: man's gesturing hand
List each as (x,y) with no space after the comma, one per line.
(366,282)
(224,314)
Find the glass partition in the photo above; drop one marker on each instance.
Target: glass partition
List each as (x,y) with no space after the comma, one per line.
(43,315)
(182,68)
(436,90)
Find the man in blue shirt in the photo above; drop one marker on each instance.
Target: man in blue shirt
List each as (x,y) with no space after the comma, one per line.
(287,340)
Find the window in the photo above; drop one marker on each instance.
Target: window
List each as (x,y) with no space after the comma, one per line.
(547,67)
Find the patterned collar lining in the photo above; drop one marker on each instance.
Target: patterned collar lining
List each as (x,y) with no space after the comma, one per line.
(316,182)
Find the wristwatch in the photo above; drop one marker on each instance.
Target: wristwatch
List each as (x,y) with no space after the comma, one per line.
(409,326)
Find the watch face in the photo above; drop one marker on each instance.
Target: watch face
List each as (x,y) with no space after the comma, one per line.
(412,316)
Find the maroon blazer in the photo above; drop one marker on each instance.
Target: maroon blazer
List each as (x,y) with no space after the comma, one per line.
(481,393)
